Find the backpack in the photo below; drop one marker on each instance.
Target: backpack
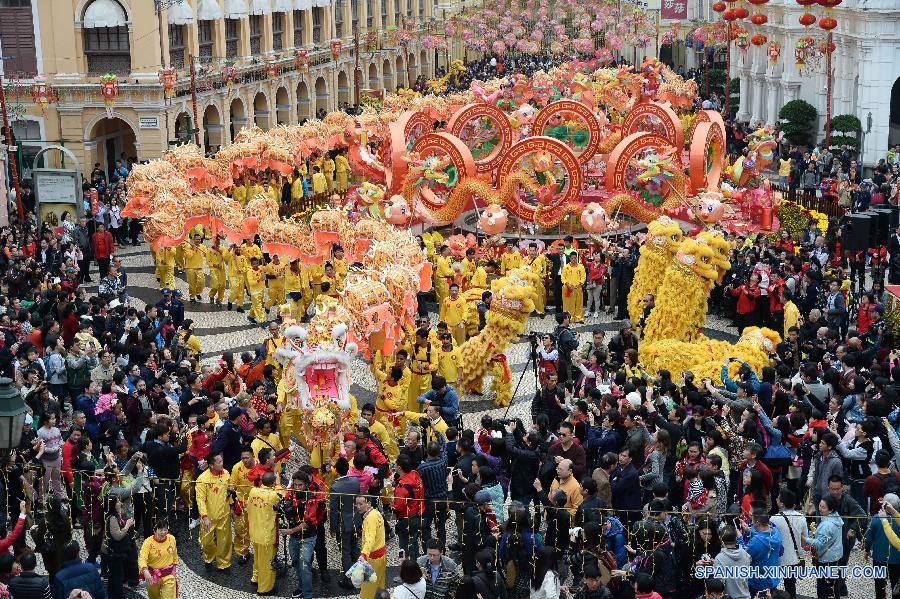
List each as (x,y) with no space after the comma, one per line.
(890,483)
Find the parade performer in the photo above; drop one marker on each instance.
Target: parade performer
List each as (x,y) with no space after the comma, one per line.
(449,359)
(393,389)
(538,264)
(295,286)
(501,381)
(328,167)
(511,259)
(215,260)
(469,265)
(443,274)
(342,172)
(275,272)
(423,365)
(256,287)
(573,278)
(684,286)
(662,241)
(263,531)
(372,545)
(234,260)
(242,485)
(453,312)
(157,562)
(165,267)
(194,253)
(215,515)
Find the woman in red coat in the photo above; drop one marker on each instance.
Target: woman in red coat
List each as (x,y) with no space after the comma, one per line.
(746,296)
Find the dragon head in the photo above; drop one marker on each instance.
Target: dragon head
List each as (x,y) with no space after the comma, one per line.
(317,359)
(664,234)
(698,257)
(369,193)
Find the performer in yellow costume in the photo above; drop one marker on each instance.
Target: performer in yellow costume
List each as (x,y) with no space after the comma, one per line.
(254,190)
(442,274)
(294,286)
(194,253)
(215,514)
(511,259)
(423,365)
(263,531)
(453,312)
(469,265)
(342,172)
(385,433)
(393,390)
(328,167)
(239,193)
(242,485)
(538,264)
(318,185)
(314,274)
(275,271)
(256,287)
(165,267)
(372,547)
(339,262)
(215,260)
(573,277)
(236,264)
(157,561)
(449,360)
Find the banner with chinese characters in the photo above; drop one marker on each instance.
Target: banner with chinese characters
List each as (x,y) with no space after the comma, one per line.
(673,9)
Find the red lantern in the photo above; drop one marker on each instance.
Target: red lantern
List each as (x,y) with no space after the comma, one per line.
(167,77)
(741,12)
(806,2)
(719,6)
(301,60)
(758,39)
(827,23)
(728,15)
(335,49)
(759,19)
(758,2)
(829,3)
(807,19)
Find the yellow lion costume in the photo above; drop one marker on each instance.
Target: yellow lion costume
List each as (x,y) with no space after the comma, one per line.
(662,241)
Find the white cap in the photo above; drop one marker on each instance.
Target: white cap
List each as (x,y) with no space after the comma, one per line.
(634,398)
(28,419)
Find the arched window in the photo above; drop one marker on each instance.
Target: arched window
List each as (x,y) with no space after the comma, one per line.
(106,38)
(339,18)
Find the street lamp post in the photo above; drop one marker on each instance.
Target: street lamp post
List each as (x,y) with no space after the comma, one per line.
(196,127)
(12,415)
(357,72)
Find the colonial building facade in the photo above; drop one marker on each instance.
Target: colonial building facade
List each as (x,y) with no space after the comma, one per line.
(74,42)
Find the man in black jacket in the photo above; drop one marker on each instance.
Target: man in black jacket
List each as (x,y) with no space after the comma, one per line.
(526,461)
(164,458)
(230,439)
(566,343)
(343,519)
(29,585)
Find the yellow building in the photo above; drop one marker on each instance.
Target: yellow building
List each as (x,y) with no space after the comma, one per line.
(74,42)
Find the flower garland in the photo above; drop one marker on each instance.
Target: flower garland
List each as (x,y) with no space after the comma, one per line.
(795,219)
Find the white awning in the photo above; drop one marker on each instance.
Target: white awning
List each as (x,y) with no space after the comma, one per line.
(181,14)
(260,7)
(209,10)
(321,3)
(104,13)
(235,9)
(303,4)
(282,5)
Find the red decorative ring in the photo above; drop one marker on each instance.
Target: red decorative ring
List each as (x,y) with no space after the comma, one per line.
(470,112)
(670,121)
(705,137)
(586,114)
(393,152)
(558,150)
(459,155)
(622,154)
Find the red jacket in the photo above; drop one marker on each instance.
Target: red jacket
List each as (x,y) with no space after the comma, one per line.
(768,481)
(865,318)
(103,245)
(746,295)
(409,496)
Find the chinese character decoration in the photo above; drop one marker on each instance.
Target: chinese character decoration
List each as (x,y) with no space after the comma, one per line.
(109,89)
(335,49)
(167,77)
(42,94)
(229,74)
(774,52)
(301,60)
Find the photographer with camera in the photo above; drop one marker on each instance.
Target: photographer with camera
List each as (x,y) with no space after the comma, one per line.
(444,397)
(299,515)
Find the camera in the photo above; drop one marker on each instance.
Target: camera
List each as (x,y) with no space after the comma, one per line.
(533,339)
(424,422)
